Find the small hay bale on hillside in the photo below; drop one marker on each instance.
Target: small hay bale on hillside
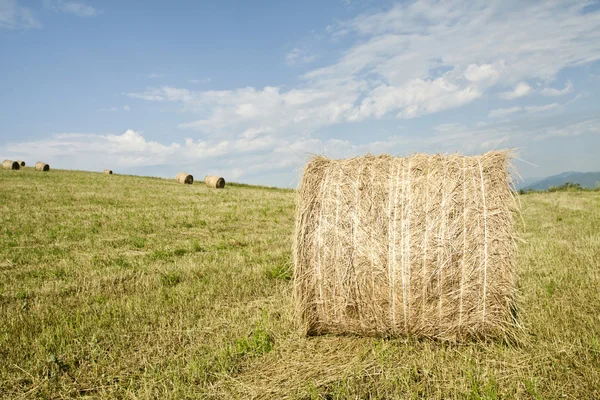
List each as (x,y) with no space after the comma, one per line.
(108,171)
(184,177)
(40,166)
(9,164)
(215,182)
(21,163)
(421,245)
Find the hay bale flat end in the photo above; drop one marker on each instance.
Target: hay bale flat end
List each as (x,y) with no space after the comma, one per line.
(215,182)
(9,164)
(40,166)
(184,178)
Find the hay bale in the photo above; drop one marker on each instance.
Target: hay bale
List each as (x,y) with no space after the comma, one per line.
(108,171)
(421,245)
(184,177)
(21,163)
(215,182)
(40,166)
(9,164)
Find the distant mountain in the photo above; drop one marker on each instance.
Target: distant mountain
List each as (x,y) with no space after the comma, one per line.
(589,180)
(526,182)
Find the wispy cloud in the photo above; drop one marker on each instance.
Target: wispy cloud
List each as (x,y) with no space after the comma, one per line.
(558,92)
(155,75)
(115,109)
(539,109)
(196,81)
(393,67)
(503,112)
(299,56)
(14,16)
(78,8)
(522,89)
(576,129)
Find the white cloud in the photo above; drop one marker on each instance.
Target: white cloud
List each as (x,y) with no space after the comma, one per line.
(126,108)
(299,56)
(522,89)
(266,153)
(414,59)
(14,16)
(78,8)
(155,75)
(113,109)
(558,92)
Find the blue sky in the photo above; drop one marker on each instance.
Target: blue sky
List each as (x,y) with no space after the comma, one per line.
(249,90)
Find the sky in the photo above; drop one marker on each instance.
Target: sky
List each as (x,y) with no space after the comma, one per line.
(251,90)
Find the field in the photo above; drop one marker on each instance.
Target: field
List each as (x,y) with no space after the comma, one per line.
(130,287)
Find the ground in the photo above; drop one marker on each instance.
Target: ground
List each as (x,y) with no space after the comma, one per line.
(127,287)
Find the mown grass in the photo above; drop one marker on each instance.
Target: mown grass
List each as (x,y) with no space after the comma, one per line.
(129,287)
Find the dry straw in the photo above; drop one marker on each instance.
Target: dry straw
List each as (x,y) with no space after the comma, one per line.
(215,182)
(9,164)
(421,245)
(184,177)
(108,171)
(40,166)
(21,163)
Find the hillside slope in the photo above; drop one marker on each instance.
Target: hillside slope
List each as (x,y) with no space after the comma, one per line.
(589,180)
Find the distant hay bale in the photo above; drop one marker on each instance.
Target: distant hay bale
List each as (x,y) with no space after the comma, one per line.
(21,163)
(421,245)
(108,171)
(40,166)
(9,164)
(184,177)
(215,182)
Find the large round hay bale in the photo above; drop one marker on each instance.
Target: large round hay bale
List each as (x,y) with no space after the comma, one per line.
(215,182)
(40,166)
(421,245)
(9,164)
(184,177)
(108,171)
(21,163)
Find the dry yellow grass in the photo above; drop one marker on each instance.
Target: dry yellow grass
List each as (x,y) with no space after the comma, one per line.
(131,287)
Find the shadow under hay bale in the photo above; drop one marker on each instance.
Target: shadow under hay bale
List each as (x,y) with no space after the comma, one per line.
(9,164)
(215,182)
(421,245)
(108,172)
(21,163)
(40,166)
(184,178)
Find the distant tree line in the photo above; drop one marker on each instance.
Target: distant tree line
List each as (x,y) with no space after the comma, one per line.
(565,187)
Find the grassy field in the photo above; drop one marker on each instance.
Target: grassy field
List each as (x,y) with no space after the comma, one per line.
(130,287)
